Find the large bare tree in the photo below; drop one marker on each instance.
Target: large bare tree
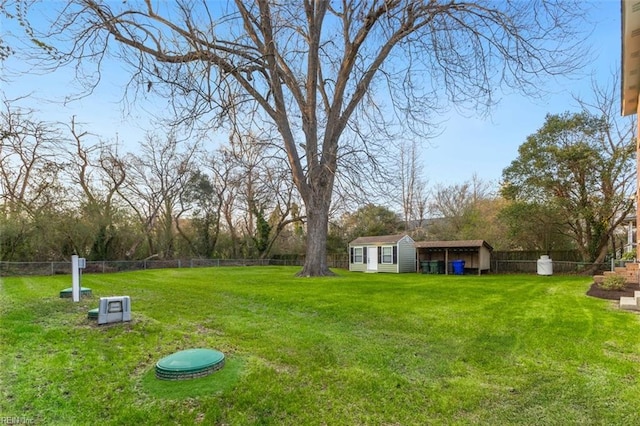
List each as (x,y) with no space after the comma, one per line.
(96,174)
(29,170)
(412,185)
(156,179)
(322,73)
(30,183)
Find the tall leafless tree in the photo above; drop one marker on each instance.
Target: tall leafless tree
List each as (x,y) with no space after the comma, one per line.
(457,209)
(96,174)
(323,73)
(30,185)
(265,188)
(156,178)
(412,185)
(29,166)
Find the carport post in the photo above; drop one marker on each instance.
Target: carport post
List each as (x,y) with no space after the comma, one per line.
(446,261)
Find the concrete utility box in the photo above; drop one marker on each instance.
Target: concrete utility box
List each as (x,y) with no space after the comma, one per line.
(114,309)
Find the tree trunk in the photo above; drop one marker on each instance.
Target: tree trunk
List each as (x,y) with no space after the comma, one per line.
(595,265)
(315,263)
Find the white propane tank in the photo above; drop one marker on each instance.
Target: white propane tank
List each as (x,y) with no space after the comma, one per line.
(545,265)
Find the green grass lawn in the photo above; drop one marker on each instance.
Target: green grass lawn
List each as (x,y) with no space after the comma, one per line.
(353,349)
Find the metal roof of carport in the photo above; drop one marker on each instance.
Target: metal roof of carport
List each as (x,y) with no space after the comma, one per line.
(467,244)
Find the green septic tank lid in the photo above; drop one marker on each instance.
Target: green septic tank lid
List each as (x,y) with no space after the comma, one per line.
(189,364)
(93,313)
(68,292)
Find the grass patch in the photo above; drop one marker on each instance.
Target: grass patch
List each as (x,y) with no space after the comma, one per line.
(217,383)
(352,349)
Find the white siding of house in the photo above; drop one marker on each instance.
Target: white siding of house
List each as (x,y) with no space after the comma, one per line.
(406,257)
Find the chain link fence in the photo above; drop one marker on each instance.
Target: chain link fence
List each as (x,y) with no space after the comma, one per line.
(101,267)
(335,261)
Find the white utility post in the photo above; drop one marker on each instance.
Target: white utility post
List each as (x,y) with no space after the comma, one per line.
(75,278)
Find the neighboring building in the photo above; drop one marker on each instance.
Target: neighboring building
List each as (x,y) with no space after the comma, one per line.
(384,253)
(476,254)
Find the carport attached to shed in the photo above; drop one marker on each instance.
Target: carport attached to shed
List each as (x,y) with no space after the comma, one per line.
(475,253)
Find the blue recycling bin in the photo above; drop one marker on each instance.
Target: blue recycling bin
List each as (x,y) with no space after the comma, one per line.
(458,267)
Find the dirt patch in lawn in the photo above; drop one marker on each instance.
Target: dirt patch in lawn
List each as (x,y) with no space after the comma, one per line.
(596,291)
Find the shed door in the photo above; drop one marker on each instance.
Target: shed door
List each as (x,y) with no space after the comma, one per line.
(372,259)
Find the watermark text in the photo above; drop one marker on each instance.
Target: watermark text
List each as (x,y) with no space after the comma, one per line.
(16,420)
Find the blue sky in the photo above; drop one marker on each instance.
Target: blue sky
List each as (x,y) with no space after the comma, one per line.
(467,145)
(487,146)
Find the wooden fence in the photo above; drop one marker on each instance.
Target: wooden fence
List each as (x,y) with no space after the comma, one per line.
(559,267)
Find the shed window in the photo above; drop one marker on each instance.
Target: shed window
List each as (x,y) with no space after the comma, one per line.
(357,255)
(387,254)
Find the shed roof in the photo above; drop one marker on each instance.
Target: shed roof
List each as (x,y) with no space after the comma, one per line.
(453,244)
(380,239)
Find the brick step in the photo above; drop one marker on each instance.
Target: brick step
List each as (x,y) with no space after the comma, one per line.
(633,266)
(631,277)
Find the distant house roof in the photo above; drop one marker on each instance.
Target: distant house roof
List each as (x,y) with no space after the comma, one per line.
(453,244)
(380,239)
